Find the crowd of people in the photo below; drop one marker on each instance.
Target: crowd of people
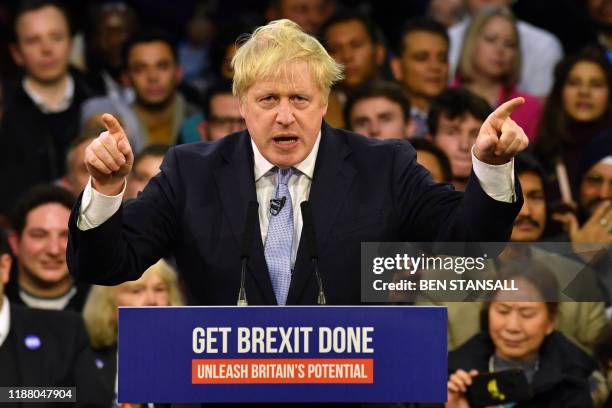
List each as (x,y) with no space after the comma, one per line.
(432,81)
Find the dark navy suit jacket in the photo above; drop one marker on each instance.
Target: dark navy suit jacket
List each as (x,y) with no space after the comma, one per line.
(362,190)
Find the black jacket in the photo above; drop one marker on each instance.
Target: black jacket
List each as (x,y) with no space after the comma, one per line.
(562,377)
(363,190)
(34,144)
(63,357)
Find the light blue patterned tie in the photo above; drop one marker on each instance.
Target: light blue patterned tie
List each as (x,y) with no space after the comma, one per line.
(280,239)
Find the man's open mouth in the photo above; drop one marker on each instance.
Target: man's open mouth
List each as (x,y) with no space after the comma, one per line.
(285,140)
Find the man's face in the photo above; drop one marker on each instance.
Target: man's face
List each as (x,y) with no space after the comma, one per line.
(423,66)
(379,117)
(43,44)
(284,115)
(41,247)
(154,73)
(78,176)
(349,43)
(596,186)
(309,14)
(531,221)
(145,170)
(114,28)
(224,117)
(456,137)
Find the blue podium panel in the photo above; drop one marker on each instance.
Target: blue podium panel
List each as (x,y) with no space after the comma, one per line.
(282,354)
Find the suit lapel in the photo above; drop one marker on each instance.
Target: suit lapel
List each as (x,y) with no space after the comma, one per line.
(30,360)
(332,179)
(236,187)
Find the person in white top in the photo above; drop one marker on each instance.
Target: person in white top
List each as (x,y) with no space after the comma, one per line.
(540,50)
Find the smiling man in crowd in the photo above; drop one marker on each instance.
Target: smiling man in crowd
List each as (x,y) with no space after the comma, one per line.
(39,240)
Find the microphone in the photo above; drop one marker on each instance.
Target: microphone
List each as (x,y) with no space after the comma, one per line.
(251,218)
(277,204)
(309,235)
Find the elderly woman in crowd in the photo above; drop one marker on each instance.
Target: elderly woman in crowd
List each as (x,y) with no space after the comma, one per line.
(520,334)
(490,65)
(158,286)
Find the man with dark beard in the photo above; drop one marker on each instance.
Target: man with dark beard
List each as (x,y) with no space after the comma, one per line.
(593,223)
(594,220)
(153,71)
(531,221)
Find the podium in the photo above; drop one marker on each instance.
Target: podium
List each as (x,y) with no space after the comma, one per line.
(282,354)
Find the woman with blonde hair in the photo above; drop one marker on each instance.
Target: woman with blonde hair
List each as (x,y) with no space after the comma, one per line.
(490,65)
(158,286)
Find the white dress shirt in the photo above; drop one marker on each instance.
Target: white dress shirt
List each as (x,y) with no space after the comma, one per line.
(299,188)
(5,319)
(496,181)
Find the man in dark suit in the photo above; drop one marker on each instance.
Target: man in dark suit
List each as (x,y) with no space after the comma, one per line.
(45,348)
(359,189)
(41,116)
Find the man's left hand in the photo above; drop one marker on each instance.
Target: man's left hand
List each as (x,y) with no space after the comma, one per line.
(500,138)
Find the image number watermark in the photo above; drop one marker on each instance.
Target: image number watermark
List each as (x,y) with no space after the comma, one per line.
(37,394)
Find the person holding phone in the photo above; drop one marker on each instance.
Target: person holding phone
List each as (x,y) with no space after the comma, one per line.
(519,336)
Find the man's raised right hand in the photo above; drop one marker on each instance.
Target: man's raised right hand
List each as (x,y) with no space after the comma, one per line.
(109,158)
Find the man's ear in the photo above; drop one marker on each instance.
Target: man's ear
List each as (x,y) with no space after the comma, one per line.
(178,74)
(241,107)
(16,54)
(396,68)
(13,239)
(125,79)
(5,268)
(203,130)
(410,127)
(380,53)
(550,327)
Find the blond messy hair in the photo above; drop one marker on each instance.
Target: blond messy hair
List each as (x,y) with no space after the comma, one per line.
(273,48)
(100,311)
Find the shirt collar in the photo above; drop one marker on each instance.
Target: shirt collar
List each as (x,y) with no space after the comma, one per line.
(44,108)
(306,166)
(5,319)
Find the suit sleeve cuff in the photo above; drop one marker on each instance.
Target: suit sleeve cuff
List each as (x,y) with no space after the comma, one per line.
(496,180)
(96,207)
